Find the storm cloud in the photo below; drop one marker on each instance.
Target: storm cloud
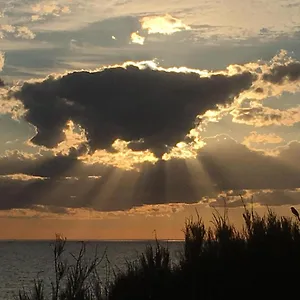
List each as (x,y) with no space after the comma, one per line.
(152,109)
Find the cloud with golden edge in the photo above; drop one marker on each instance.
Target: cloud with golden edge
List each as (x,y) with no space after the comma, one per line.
(137,39)
(163,24)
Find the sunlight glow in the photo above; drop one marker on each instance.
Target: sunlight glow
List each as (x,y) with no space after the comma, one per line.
(163,24)
(124,158)
(137,39)
(74,138)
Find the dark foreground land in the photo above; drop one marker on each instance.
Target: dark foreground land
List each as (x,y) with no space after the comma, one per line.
(262,261)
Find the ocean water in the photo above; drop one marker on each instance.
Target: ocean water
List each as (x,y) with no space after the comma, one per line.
(23,261)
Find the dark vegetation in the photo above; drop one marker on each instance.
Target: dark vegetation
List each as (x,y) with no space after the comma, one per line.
(262,261)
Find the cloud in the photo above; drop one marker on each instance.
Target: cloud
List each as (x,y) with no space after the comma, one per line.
(2,60)
(221,165)
(24,32)
(282,73)
(7,28)
(57,212)
(233,166)
(122,157)
(115,121)
(163,24)
(75,137)
(153,109)
(114,190)
(260,116)
(10,106)
(23,177)
(18,31)
(47,8)
(257,139)
(137,39)
(257,198)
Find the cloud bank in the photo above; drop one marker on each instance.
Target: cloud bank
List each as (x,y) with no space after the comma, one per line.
(2,60)
(221,165)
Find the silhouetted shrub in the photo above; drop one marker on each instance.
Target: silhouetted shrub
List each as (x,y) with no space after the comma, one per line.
(260,261)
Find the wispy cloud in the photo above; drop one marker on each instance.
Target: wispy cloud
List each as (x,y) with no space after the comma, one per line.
(22,177)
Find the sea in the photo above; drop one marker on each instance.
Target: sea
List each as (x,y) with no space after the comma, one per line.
(21,262)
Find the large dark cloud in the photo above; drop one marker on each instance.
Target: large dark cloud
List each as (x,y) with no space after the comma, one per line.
(156,107)
(221,165)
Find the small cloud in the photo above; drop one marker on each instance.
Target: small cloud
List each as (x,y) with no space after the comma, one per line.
(137,39)
(113,37)
(163,24)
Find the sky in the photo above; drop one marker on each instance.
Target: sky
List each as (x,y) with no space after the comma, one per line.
(119,120)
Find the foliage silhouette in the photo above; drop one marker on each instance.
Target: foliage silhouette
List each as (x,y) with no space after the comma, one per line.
(260,261)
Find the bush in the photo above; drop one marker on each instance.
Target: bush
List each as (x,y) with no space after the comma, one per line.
(260,261)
